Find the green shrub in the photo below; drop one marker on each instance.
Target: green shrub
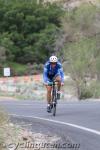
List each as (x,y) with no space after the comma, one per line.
(92,90)
(95,88)
(85,93)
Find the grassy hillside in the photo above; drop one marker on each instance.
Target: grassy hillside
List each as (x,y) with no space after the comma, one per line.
(81,48)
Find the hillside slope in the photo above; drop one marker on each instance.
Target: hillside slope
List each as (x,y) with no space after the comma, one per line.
(74,3)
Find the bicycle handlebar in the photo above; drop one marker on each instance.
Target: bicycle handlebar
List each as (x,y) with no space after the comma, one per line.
(53,82)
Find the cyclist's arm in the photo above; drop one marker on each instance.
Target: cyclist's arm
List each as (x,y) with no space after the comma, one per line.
(45,78)
(62,74)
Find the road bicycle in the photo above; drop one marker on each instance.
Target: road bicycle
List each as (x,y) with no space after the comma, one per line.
(54,97)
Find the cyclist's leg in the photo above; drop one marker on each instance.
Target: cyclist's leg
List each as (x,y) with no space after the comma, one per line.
(49,98)
(58,79)
(49,88)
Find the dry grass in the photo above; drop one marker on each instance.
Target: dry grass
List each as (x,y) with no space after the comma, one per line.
(13,136)
(3,121)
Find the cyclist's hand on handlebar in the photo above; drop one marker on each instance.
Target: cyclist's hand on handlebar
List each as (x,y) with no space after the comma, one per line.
(45,83)
(62,84)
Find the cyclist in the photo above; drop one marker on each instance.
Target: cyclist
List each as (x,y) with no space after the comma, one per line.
(52,70)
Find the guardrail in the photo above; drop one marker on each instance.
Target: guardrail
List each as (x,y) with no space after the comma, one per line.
(26,87)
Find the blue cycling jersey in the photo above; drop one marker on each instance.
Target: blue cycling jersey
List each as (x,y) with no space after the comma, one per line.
(50,72)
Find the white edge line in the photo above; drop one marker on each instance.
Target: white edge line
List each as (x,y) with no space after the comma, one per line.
(60,122)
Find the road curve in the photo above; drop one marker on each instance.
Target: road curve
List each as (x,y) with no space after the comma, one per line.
(76,122)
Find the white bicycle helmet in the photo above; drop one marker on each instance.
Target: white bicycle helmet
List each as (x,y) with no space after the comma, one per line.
(53,59)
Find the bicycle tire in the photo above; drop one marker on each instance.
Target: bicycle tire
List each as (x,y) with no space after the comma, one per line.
(54,100)
(54,110)
(54,103)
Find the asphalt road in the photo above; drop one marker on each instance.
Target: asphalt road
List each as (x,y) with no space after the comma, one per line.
(76,122)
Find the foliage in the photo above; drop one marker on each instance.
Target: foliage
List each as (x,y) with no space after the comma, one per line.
(95,89)
(82,48)
(81,22)
(16,69)
(22,69)
(28,29)
(85,93)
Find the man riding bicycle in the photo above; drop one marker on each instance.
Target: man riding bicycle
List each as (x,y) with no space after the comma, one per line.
(53,70)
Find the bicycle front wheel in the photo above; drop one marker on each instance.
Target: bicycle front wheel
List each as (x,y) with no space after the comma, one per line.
(54,110)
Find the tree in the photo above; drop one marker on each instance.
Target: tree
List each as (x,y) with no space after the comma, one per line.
(81,49)
(28,30)
(80,56)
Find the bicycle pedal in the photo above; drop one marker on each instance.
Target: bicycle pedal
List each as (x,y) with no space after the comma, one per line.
(48,109)
(51,105)
(58,95)
(54,104)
